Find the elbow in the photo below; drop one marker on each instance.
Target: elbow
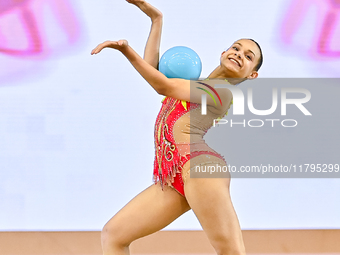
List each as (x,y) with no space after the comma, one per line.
(165,90)
(162,91)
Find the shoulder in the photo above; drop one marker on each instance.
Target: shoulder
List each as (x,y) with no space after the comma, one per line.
(226,99)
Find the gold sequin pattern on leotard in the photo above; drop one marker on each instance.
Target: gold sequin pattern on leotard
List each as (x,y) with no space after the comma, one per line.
(162,146)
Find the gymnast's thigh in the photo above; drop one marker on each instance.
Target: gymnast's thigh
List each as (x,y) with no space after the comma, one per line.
(205,166)
(148,212)
(210,200)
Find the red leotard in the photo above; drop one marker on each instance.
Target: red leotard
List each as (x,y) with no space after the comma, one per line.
(179,138)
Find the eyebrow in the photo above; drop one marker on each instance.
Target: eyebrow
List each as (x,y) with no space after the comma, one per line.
(249,50)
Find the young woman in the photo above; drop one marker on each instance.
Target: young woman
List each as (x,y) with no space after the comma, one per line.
(179,146)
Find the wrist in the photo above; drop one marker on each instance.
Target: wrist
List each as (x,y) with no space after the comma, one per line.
(150,11)
(157,19)
(129,53)
(125,49)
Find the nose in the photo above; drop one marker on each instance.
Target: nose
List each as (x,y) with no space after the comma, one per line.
(238,54)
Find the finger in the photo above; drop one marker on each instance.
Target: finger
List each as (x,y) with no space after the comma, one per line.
(110,44)
(97,49)
(94,51)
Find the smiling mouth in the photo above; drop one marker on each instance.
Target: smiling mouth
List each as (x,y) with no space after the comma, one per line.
(234,61)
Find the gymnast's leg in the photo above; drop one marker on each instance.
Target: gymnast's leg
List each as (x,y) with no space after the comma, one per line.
(209,198)
(150,211)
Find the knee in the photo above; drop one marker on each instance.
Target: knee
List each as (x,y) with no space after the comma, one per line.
(225,247)
(113,236)
(231,251)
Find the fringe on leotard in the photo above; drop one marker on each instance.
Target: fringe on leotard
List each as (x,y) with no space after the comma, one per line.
(168,162)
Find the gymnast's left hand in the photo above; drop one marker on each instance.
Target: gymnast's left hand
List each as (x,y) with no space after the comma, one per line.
(118,45)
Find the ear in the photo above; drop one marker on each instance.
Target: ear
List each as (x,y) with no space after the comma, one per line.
(223,53)
(253,75)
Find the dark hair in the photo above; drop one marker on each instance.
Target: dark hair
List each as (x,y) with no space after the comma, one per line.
(259,64)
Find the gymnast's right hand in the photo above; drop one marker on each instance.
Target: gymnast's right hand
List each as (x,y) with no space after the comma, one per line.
(117,45)
(148,9)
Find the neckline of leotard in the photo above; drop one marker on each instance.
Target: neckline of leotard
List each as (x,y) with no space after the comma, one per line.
(207,79)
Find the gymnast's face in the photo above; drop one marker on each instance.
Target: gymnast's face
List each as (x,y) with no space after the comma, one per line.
(240,60)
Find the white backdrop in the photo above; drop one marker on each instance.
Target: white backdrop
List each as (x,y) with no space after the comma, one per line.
(76,131)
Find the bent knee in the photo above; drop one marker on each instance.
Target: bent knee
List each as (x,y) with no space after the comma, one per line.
(113,234)
(230,250)
(229,246)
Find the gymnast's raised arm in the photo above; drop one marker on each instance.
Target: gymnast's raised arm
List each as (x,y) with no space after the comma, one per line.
(176,88)
(151,52)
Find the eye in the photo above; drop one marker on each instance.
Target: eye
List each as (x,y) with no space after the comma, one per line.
(249,57)
(235,48)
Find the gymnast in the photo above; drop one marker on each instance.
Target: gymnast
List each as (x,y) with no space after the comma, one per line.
(179,147)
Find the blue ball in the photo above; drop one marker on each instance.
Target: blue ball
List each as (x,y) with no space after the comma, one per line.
(180,62)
